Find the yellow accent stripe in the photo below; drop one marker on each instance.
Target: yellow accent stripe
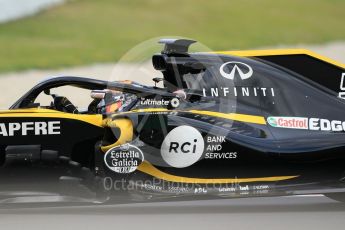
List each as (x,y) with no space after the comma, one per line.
(150,110)
(29,110)
(126,132)
(233,116)
(149,169)
(96,120)
(252,53)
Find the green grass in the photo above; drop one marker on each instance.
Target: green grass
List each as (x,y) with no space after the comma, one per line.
(88,31)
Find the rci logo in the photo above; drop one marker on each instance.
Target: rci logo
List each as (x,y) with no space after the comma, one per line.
(235,68)
(182,147)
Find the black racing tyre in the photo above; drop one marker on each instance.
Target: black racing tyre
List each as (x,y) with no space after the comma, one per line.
(81,181)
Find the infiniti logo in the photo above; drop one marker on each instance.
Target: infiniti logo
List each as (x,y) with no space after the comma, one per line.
(241,70)
(238,68)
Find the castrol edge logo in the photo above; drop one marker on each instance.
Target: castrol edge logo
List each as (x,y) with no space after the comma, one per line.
(307,123)
(288,122)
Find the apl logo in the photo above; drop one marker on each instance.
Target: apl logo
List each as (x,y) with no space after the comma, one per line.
(235,68)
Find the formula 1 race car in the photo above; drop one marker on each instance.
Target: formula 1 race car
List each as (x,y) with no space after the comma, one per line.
(225,124)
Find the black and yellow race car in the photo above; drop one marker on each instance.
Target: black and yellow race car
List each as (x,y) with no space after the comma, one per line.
(224,124)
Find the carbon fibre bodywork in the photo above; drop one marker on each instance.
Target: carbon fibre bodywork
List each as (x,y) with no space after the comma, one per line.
(226,124)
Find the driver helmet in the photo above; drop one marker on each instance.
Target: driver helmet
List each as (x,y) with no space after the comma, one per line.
(113,101)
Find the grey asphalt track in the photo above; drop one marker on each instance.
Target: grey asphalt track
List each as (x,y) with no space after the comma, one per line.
(296,212)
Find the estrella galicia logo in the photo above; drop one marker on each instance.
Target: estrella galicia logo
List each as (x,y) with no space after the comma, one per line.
(233,68)
(124,158)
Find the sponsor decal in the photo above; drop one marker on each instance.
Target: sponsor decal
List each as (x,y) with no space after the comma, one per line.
(288,122)
(175,102)
(164,186)
(214,149)
(201,190)
(254,189)
(307,123)
(30,128)
(235,68)
(182,147)
(124,158)
(239,91)
(243,189)
(342,87)
(232,70)
(152,187)
(221,155)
